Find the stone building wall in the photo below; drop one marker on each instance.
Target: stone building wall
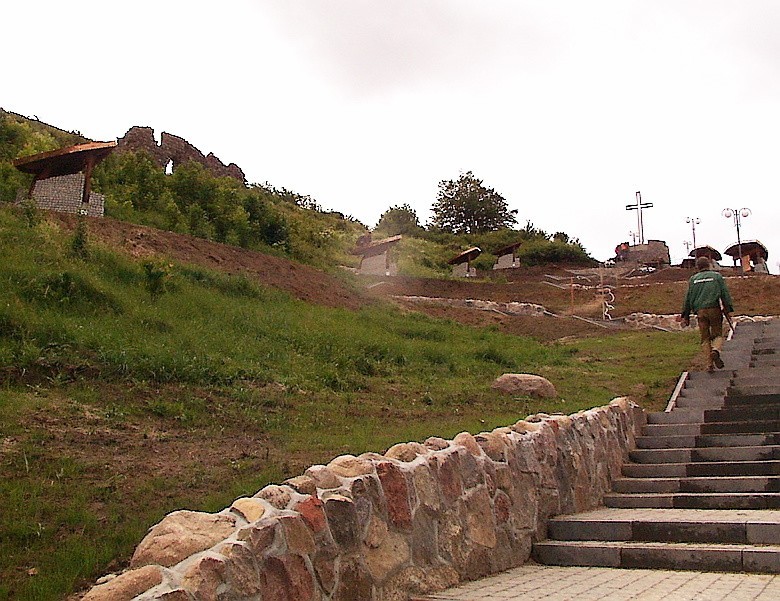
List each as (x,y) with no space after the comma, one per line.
(64,193)
(418,519)
(506,262)
(176,150)
(462,270)
(378,265)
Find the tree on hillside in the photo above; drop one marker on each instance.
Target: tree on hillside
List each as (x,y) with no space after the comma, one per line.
(466,206)
(399,219)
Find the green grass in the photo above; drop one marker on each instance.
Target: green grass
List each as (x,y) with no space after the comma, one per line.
(98,367)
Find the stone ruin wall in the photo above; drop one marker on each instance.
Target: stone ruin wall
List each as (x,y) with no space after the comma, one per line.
(64,194)
(418,519)
(669,322)
(176,150)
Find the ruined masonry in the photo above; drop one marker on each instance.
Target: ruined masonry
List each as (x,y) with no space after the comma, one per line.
(418,519)
(175,150)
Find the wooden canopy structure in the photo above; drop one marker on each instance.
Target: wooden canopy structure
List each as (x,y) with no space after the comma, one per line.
(66,161)
(706,251)
(751,248)
(746,252)
(373,249)
(467,256)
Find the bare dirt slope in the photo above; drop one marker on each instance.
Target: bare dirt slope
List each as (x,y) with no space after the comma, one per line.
(550,286)
(302,281)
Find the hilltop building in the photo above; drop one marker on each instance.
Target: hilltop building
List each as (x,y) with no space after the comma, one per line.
(461,263)
(654,253)
(377,258)
(507,256)
(63,178)
(750,254)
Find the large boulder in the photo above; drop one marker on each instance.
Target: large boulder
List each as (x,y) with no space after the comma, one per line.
(525,385)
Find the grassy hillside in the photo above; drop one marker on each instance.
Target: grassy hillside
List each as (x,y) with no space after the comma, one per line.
(133,387)
(259,216)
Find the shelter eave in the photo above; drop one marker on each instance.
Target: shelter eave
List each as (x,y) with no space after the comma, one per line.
(64,161)
(749,247)
(465,256)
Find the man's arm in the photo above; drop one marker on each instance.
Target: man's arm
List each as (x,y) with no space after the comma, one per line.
(728,304)
(686,310)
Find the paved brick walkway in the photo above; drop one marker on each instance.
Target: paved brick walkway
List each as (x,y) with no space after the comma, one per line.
(535,582)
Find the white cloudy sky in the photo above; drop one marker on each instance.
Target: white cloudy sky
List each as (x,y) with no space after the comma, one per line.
(566,108)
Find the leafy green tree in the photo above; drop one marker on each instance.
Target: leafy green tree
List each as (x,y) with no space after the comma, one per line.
(466,206)
(134,177)
(399,219)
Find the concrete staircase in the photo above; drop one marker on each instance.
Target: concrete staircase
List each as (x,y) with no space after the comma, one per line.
(702,488)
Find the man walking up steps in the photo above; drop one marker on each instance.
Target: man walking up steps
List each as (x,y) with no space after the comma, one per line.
(709,299)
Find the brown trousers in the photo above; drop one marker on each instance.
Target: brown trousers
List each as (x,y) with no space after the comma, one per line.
(711,330)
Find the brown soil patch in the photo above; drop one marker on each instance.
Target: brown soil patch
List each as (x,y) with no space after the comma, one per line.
(302,281)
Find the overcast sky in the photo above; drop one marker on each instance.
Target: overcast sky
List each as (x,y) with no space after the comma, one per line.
(566,108)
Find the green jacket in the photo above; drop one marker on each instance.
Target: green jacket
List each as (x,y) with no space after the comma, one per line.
(706,289)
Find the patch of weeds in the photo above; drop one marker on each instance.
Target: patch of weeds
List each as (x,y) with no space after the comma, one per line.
(72,290)
(236,285)
(435,356)
(79,242)
(30,213)
(493,355)
(156,325)
(157,276)
(422,332)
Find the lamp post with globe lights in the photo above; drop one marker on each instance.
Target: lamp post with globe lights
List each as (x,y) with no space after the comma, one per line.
(694,221)
(738,214)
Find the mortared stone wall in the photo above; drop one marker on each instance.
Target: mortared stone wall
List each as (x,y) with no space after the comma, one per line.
(417,519)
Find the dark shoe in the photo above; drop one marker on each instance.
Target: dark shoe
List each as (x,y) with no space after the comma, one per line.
(715,356)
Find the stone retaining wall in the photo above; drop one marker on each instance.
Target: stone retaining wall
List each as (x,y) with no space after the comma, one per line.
(512,308)
(669,322)
(420,518)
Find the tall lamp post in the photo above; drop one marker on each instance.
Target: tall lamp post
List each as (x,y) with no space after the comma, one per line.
(737,214)
(694,221)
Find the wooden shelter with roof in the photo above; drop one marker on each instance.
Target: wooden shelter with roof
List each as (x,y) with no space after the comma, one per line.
(752,255)
(376,258)
(63,178)
(702,251)
(507,256)
(461,263)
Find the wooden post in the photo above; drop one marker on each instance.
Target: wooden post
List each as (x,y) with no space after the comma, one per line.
(88,168)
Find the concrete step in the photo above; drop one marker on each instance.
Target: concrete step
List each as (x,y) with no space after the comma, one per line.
(671,429)
(687,415)
(710,468)
(763,364)
(667,556)
(707,454)
(760,411)
(708,440)
(756,379)
(699,402)
(677,416)
(703,378)
(738,388)
(747,399)
(751,427)
(693,500)
(693,430)
(702,484)
(669,525)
